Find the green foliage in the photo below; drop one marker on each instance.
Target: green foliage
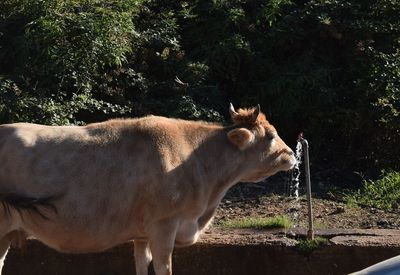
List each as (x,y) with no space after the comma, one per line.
(306,246)
(259,223)
(17,106)
(56,55)
(383,193)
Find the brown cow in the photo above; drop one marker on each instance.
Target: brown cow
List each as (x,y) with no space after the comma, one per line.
(153,180)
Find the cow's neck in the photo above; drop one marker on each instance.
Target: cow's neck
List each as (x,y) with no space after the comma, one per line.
(221,163)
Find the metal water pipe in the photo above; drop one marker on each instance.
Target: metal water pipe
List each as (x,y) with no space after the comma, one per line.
(304,144)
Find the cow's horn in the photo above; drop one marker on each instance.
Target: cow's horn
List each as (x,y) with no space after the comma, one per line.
(232,110)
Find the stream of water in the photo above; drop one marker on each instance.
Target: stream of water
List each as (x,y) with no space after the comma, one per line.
(295,181)
(294,186)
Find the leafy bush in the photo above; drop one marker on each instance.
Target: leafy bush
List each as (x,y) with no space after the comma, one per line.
(383,193)
(56,55)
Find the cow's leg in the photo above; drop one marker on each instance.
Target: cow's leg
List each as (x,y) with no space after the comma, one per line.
(162,240)
(4,245)
(5,225)
(142,257)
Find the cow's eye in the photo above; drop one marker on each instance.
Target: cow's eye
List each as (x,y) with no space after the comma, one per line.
(270,137)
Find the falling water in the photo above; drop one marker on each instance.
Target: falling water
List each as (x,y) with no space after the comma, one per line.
(295,182)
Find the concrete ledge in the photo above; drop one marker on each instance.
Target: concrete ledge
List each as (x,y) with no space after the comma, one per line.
(225,252)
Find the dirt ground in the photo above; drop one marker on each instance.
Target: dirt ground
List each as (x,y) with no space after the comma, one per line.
(330,212)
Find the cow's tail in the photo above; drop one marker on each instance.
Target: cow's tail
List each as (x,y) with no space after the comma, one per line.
(27,204)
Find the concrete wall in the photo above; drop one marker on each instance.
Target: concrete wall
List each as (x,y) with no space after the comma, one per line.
(37,259)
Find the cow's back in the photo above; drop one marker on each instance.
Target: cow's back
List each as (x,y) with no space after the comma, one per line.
(41,158)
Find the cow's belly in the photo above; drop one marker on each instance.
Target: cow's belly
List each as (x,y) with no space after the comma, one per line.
(79,242)
(82,235)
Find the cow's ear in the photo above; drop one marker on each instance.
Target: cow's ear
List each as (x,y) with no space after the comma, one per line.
(241,137)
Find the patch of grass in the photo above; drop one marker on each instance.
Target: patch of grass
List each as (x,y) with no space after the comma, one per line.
(259,223)
(308,246)
(351,202)
(383,193)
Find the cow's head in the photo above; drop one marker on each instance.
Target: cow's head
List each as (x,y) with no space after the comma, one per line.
(264,151)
